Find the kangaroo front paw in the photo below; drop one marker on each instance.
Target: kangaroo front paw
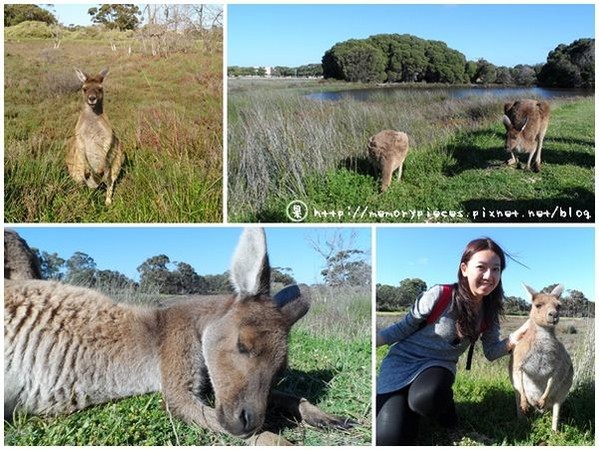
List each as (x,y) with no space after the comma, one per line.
(314,416)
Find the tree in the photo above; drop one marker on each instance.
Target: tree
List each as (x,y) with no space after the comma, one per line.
(282,275)
(51,265)
(153,272)
(503,75)
(15,14)
(394,58)
(354,60)
(218,284)
(81,270)
(409,290)
(395,298)
(344,264)
(185,280)
(486,72)
(524,75)
(470,71)
(116,16)
(516,306)
(570,66)
(386,296)
(113,280)
(346,268)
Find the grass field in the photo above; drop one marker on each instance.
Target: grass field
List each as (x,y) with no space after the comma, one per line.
(329,364)
(285,147)
(166,110)
(485,398)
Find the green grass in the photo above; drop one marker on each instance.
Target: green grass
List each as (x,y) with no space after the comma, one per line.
(167,111)
(284,147)
(486,405)
(328,365)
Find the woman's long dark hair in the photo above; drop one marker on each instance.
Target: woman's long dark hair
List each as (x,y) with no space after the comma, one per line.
(463,305)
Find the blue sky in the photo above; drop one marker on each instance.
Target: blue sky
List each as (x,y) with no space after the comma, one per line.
(553,255)
(507,34)
(207,249)
(75,14)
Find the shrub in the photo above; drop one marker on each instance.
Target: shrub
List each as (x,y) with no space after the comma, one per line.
(30,29)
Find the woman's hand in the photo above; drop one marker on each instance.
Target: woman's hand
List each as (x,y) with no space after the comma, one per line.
(515,337)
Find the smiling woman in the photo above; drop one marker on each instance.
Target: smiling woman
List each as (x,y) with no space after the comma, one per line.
(416,376)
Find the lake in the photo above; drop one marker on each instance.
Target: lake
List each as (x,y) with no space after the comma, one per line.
(453,92)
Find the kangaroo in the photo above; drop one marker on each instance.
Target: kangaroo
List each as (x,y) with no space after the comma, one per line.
(387,151)
(526,123)
(540,367)
(67,347)
(94,154)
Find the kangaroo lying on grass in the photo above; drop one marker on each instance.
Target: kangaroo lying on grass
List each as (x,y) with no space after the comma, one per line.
(540,367)
(67,347)
(94,154)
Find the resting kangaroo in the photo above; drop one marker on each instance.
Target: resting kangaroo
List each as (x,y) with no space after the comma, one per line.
(540,367)
(66,348)
(94,154)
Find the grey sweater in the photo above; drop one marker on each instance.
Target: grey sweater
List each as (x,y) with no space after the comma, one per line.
(416,346)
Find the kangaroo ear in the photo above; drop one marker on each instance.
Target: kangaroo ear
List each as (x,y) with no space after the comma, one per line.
(250,269)
(507,122)
(557,291)
(103,73)
(294,302)
(531,292)
(81,75)
(524,125)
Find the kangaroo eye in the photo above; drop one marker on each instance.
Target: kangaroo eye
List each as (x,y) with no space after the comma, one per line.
(242,349)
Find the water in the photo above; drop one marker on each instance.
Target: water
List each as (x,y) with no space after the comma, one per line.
(453,92)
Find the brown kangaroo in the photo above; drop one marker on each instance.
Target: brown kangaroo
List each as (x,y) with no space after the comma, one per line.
(526,123)
(94,154)
(540,367)
(387,151)
(67,347)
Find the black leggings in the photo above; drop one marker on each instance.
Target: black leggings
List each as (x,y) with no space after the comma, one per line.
(429,395)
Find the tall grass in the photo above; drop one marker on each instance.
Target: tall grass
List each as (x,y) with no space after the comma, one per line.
(166,111)
(284,146)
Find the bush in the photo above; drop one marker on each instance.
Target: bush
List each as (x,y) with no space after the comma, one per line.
(30,29)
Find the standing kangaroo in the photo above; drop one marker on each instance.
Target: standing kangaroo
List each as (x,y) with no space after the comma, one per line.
(540,367)
(66,348)
(94,154)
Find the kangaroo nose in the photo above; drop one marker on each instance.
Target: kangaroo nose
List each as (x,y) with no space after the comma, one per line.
(246,418)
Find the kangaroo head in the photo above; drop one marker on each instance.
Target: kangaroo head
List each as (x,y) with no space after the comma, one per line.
(514,136)
(92,88)
(246,348)
(545,309)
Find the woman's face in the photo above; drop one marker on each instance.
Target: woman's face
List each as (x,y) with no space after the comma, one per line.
(483,272)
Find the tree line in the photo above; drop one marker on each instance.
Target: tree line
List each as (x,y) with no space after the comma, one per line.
(399,298)
(305,71)
(159,274)
(394,58)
